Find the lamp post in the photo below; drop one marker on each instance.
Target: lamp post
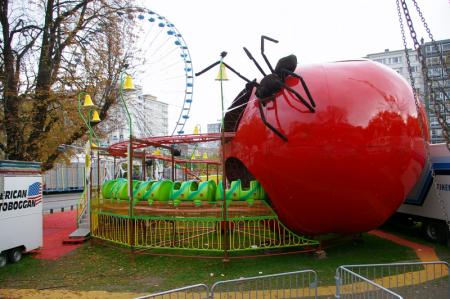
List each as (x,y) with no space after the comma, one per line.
(92,114)
(222,76)
(127,84)
(92,117)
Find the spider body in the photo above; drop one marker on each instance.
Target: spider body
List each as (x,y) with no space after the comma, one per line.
(273,83)
(269,86)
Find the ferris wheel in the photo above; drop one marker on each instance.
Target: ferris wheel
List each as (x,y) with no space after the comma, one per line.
(162,67)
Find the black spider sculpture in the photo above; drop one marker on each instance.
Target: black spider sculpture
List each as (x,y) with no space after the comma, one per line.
(273,82)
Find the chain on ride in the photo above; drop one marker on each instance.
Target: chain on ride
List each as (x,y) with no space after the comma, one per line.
(439,108)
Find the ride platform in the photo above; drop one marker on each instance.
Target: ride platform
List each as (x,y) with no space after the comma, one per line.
(190,227)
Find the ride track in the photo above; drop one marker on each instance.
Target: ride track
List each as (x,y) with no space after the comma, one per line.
(120,149)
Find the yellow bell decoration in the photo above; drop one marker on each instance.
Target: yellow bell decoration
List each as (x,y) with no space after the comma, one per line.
(88,101)
(222,71)
(95,117)
(93,145)
(157,152)
(128,84)
(205,156)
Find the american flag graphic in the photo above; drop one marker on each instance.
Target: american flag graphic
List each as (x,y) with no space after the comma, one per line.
(35,192)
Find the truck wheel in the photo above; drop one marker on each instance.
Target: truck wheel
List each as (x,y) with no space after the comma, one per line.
(15,255)
(2,260)
(435,231)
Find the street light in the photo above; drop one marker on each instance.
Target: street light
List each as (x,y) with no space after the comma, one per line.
(197,129)
(91,113)
(222,76)
(87,101)
(88,114)
(127,84)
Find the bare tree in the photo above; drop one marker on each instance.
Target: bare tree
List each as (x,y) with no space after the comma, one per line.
(50,51)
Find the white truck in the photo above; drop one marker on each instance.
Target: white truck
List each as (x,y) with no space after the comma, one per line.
(429,201)
(20,209)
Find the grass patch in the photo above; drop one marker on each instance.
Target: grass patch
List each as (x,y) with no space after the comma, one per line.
(111,268)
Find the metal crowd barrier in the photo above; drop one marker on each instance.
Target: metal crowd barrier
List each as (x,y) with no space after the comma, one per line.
(352,285)
(198,291)
(397,280)
(299,284)
(68,178)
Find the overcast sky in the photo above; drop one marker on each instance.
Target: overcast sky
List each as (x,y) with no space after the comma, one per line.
(316,31)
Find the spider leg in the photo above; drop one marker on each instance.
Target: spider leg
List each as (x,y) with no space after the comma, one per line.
(263,37)
(299,97)
(228,67)
(263,118)
(290,104)
(254,61)
(252,84)
(276,113)
(305,87)
(236,72)
(207,68)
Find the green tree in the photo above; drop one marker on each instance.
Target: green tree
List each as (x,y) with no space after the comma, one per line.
(50,51)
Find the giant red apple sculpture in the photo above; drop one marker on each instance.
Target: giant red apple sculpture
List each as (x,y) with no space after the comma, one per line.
(343,166)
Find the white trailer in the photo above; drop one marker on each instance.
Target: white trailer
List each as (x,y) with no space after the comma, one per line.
(20,209)
(429,201)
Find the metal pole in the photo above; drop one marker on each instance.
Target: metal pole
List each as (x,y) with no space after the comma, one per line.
(130,162)
(89,206)
(114,167)
(153,169)
(143,167)
(224,180)
(79,110)
(130,192)
(98,176)
(173,166)
(207,172)
(88,183)
(217,174)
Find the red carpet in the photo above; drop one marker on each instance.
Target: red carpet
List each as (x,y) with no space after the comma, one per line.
(57,227)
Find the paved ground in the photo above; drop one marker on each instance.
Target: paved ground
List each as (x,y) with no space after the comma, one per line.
(57,228)
(57,201)
(424,252)
(58,294)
